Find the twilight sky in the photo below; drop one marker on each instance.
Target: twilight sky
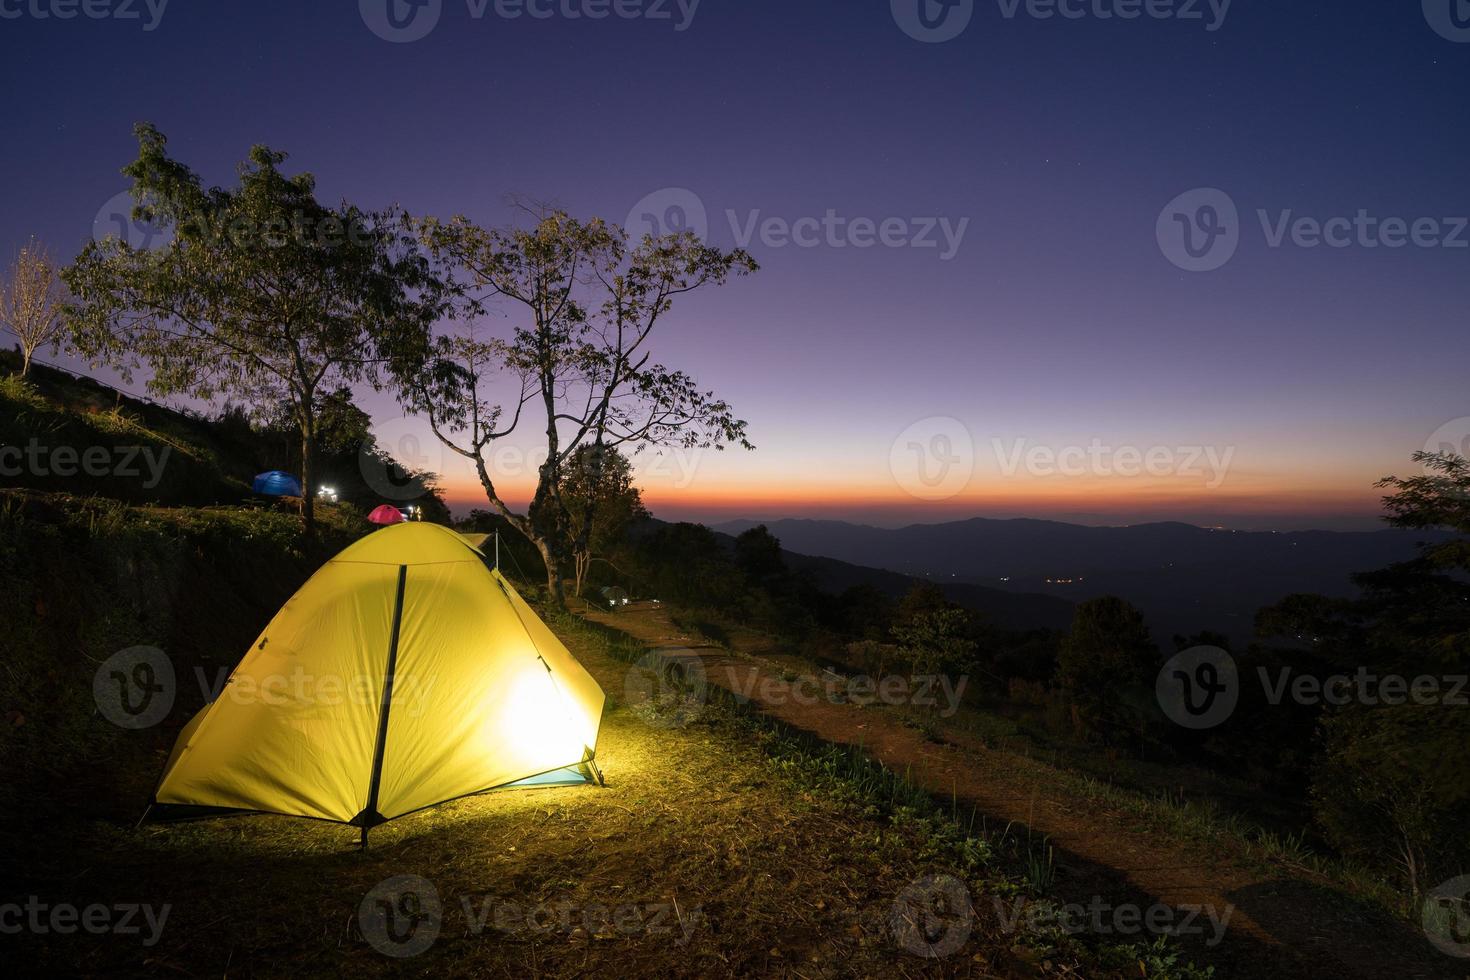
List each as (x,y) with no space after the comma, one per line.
(972,300)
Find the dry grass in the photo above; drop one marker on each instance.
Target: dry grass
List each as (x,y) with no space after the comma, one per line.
(716,849)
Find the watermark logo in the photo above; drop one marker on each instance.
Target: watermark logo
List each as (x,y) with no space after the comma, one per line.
(678,209)
(934,458)
(1209,464)
(397,453)
(1199,230)
(1367,688)
(1211,13)
(135,688)
(1452,438)
(401,917)
(99,462)
(1449,18)
(838,231)
(575,920)
(670,211)
(1199,688)
(933,21)
(667,687)
(64,919)
(1447,917)
(937,21)
(148,12)
(932,917)
(115,220)
(1102,918)
(301,688)
(939,693)
(401,21)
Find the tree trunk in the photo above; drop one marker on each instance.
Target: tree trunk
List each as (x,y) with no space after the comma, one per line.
(584,561)
(554,585)
(308,499)
(25,360)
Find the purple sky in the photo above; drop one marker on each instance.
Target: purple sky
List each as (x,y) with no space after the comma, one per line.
(1058,325)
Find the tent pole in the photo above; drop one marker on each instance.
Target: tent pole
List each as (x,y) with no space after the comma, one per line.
(370,811)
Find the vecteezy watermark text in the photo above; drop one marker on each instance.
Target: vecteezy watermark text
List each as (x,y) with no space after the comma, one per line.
(937,21)
(148,12)
(1100,917)
(115,219)
(1208,463)
(118,462)
(934,916)
(403,21)
(63,919)
(679,210)
(136,688)
(403,916)
(837,231)
(1200,688)
(1200,230)
(937,691)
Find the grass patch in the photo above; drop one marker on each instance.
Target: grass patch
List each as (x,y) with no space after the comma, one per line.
(994,865)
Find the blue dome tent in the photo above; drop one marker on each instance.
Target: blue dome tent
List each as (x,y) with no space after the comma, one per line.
(277,484)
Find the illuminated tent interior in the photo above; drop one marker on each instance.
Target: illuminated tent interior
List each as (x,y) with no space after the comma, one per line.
(405,673)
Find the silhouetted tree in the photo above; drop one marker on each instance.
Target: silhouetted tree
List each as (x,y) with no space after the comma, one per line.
(1107,667)
(31,297)
(602,502)
(936,640)
(758,555)
(1388,782)
(260,293)
(587,303)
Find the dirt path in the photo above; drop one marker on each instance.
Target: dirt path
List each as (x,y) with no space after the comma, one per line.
(1280,925)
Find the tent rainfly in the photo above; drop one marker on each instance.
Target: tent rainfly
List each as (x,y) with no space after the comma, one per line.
(276,483)
(386,514)
(405,673)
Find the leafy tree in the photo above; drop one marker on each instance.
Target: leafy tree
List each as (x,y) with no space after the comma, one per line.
(1107,666)
(936,640)
(685,564)
(1388,783)
(585,303)
(922,597)
(602,503)
(31,298)
(260,293)
(758,555)
(862,611)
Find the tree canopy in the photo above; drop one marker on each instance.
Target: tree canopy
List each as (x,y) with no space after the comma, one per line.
(583,304)
(260,292)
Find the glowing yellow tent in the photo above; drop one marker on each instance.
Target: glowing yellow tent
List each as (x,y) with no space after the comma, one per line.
(405,673)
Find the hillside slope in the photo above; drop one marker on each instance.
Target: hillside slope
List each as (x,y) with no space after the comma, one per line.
(1185,578)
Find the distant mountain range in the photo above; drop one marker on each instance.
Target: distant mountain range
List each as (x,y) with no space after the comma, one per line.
(1184,578)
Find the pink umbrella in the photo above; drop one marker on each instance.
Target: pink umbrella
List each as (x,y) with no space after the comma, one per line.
(386,514)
